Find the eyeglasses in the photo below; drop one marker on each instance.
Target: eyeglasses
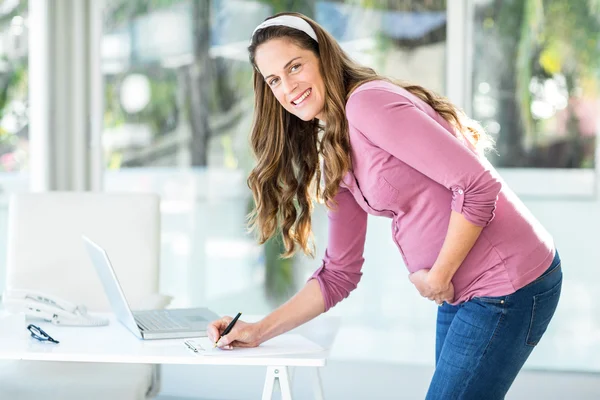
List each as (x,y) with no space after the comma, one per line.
(39,334)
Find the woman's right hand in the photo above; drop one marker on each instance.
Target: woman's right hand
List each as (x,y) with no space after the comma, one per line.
(243,334)
(304,306)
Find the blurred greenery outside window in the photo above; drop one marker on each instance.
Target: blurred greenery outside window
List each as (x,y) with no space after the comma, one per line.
(14,108)
(536,80)
(178,82)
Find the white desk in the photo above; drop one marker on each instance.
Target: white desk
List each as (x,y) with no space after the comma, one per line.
(114,343)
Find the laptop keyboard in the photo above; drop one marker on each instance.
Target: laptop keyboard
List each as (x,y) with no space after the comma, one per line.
(160,321)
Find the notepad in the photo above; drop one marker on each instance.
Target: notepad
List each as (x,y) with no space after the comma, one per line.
(279,345)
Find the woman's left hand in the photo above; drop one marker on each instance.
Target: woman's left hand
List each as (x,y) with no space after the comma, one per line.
(431,288)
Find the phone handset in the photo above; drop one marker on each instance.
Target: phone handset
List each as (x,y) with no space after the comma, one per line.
(49,308)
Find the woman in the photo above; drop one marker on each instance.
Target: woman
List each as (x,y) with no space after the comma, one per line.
(401,152)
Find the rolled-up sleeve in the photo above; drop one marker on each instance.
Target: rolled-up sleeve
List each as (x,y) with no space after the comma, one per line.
(341,269)
(393,123)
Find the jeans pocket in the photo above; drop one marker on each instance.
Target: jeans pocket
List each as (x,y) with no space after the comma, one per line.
(544,305)
(490,299)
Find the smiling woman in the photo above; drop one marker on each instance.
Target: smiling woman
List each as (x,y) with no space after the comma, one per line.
(293,75)
(305,71)
(401,152)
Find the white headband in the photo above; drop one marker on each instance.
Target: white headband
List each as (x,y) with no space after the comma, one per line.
(290,21)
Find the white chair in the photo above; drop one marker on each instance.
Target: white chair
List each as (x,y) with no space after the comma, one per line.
(46,254)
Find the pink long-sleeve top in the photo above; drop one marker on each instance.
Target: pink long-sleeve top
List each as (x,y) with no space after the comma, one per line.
(410,166)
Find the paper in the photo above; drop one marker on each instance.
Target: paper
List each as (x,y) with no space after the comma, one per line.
(279,345)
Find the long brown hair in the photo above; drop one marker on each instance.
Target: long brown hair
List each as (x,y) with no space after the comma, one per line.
(287,174)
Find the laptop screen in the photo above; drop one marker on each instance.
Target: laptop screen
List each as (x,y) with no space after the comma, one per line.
(111,285)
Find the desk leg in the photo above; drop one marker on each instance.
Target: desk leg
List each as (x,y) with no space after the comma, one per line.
(318,384)
(282,375)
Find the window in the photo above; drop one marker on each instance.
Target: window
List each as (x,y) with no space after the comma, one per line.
(178,109)
(536,81)
(14,109)
(14,154)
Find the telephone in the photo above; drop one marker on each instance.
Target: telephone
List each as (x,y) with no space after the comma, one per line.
(49,308)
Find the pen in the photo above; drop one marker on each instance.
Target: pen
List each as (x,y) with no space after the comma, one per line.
(229,328)
(190,346)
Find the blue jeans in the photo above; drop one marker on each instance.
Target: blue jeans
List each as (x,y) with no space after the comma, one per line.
(482,344)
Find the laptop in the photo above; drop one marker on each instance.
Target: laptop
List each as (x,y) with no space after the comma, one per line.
(147,324)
